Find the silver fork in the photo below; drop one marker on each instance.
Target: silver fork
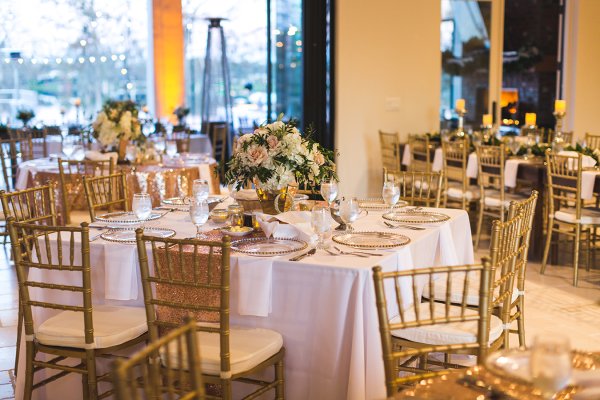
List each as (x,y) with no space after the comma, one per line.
(403,226)
(333,253)
(357,252)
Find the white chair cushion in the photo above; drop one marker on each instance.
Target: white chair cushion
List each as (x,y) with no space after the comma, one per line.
(453,333)
(457,282)
(455,191)
(79,216)
(248,348)
(112,326)
(492,198)
(587,216)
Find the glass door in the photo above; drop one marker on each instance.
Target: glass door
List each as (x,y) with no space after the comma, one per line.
(471,46)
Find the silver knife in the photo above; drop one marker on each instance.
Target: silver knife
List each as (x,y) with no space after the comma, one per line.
(303,255)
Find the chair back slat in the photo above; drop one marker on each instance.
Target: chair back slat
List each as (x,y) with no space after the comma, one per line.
(564,182)
(34,205)
(527,207)
(188,277)
(390,150)
(108,192)
(418,188)
(421,149)
(592,141)
(12,153)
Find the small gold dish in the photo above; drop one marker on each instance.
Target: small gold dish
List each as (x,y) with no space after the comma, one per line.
(219,215)
(237,230)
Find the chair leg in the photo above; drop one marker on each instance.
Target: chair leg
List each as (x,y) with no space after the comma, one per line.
(28,371)
(521,321)
(576,255)
(479,225)
(92,382)
(226,387)
(588,250)
(279,375)
(547,247)
(19,329)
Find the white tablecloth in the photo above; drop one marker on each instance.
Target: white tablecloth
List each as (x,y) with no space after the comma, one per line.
(324,306)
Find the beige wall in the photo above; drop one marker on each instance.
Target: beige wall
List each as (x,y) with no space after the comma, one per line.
(582,66)
(387,77)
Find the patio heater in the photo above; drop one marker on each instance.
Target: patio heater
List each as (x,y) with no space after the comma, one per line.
(216,84)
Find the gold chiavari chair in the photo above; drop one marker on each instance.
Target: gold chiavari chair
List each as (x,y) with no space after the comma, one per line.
(108,192)
(390,150)
(71,173)
(34,205)
(456,182)
(78,329)
(592,141)
(149,373)
(39,145)
(418,188)
(494,200)
(13,152)
(566,213)
(183,140)
(517,307)
(567,136)
(193,276)
(420,153)
(420,328)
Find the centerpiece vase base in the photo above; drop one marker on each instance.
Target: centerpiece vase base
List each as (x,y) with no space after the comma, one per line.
(267,200)
(122,151)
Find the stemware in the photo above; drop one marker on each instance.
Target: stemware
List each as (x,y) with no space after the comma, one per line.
(131,152)
(68,146)
(200,189)
(160,144)
(142,206)
(171,148)
(349,211)
(329,191)
(390,194)
(514,146)
(199,215)
(550,363)
(320,223)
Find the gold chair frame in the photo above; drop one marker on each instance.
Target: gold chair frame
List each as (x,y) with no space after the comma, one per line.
(156,379)
(33,135)
(108,191)
(592,141)
(417,187)
(456,156)
(76,170)
(390,150)
(12,151)
(396,350)
(420,153)
(31,245)
(564,187)
(517,307)
(205,279)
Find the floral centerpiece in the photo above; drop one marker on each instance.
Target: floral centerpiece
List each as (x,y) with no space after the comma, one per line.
(25,115)
(586,151)
(181,112)
(277,155)
(117,125)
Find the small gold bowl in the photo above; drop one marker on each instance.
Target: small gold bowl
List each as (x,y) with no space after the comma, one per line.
(219,215)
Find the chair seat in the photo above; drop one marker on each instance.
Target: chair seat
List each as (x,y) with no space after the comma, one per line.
(492,198)
(455,191)
(453,333)
(457,285)
(588,217)
(248,347)
(79,216)
(112,326)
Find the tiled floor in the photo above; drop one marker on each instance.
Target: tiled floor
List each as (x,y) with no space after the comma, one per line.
(553,305)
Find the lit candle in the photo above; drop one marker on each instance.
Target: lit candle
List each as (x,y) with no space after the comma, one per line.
(530,119)
(460,105)
(560,106)
(77,102)
(487,119)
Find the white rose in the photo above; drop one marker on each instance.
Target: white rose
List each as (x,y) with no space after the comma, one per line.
(261,131)
(318,157)
(256,154)
(125,124)
(99,120)
(272,141)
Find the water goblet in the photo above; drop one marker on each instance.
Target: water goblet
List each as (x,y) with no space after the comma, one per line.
(349,212)
(68,146)
(199,215)
(390,194)
(200,189)
(171,148)
(550,363)
(320,223)
(159,145)
(329,191)
(142,207)
(514,146)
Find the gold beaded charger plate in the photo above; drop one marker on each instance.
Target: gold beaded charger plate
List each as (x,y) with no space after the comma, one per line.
(126,217)
(377,204)
(127,235)
(263,247)
(416,217)
(371,240)
(514,364)
(184,201)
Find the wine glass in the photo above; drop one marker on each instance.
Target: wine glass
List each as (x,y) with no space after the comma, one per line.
(159,144)
(329,191)
(200,189)
(514,146)
(142,206)
(550,363)
(199,214)
(171,148)
(349,212)
(319,221)
(131,152)
(391,194)
(68,146)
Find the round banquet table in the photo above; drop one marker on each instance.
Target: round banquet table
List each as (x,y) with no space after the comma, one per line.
(172,178)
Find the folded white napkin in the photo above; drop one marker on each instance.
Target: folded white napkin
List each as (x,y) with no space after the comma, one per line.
(98,156)
(297,225)
(586,161)
(472,166)
(510,171)
(245,194)
(406,155)
(438,160)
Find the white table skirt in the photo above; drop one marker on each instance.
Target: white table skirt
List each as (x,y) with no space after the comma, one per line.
(324,306)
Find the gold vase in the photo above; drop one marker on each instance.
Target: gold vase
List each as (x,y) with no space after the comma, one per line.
(122,149)
(267,200)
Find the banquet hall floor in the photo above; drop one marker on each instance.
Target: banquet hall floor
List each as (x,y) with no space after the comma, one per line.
(553,305)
